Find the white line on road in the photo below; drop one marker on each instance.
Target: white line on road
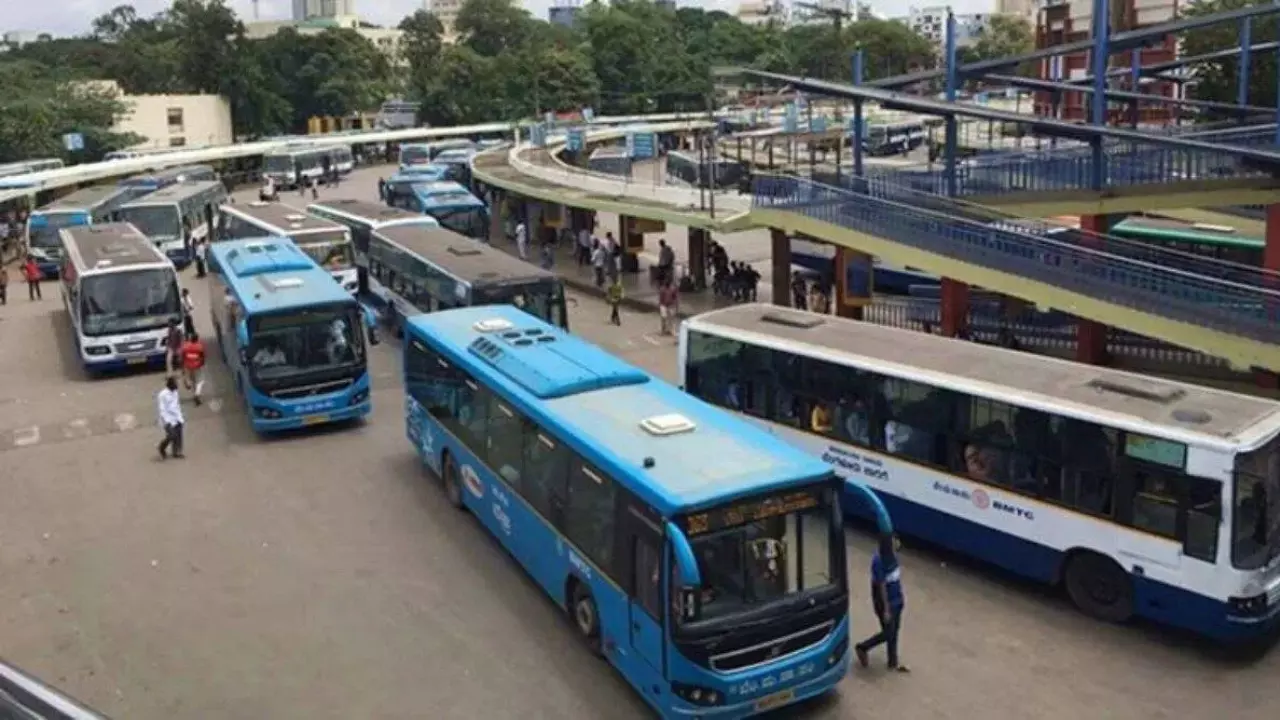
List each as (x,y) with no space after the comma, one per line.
(24,437)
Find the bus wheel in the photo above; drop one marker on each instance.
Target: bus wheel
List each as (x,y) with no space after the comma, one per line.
(586,619)
(452,488)
(1099,587)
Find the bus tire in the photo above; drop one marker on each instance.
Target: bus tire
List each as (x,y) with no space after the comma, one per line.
(1099,587)
(452,488)
(585,616)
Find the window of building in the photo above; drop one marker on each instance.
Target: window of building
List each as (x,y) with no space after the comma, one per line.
(178,141)
(175,120)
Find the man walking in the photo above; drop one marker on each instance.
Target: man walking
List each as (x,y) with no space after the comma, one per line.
(888,601)
(193,365)
(188,313)
(31,271)
(170,410)
(173,347)
(668,305)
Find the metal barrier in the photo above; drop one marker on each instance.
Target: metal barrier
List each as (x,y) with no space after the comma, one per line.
(1205,302)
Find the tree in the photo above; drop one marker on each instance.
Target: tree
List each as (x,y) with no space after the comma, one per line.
(1218,80)
(1003,36)
(39,106)
(492,27)
(420,48)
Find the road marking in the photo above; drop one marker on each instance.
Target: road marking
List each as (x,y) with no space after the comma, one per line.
(125,422)
(24,437)
(78,428)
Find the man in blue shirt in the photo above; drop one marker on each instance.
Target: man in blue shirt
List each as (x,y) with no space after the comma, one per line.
(888,601)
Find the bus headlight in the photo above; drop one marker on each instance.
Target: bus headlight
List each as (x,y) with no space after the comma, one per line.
(1247,606)
(837,652)
(97,350)
(267,413)
(359,397)
(696,695)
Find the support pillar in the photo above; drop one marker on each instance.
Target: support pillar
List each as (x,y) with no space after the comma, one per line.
(632,241)
(1091,335)
(955,308)
(853,281)
(497,215)
(699,243)
(1271,261)
(780,256)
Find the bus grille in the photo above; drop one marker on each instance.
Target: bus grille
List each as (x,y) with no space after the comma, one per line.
(136,347)
(303,391)
(771,650)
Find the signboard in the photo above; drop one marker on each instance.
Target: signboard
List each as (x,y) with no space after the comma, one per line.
(818,124)
(751,511)
(73,142)
(791,120)
(641,145)
(589,114)
(538,135)
(858,277)
(576,140)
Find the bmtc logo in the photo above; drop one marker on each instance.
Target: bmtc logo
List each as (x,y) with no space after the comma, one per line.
(981,499)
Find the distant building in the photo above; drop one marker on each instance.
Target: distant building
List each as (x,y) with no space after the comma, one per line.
(386,40)
(819,14)
(1025,9)
(308,9)
(17,38)
(1060,21)
(447,12)
(763,12)
(170,121)
(564,12)
(931,23)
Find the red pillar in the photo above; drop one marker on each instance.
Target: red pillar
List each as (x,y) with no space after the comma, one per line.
(955,307)
(780,252)
(1091,335)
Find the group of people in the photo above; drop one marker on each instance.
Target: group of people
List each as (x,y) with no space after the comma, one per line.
(737,281)
(30,271)
(184,357)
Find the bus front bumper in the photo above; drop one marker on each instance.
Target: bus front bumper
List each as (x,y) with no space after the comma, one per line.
(119,362)
(293,422)
(800,692)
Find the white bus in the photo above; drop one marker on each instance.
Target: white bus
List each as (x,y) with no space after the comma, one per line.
(1141,496)
(363,218)
(121,294)
(177,216)
(327,242)
(289,166)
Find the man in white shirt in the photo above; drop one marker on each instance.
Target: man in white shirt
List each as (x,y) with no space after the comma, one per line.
(522,241)
(170,410)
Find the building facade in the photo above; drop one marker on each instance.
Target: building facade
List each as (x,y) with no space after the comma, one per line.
(931,23)
(387,40)
(1064,21)
(564,12)
(763,12)
(172,121)
(308,9)
(447,12)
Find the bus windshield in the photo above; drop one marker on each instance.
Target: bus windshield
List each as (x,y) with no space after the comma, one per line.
(542,300)
(1256,535)
(758,552)
(298,343)
(44,227)
(154,221)
(331,254)
(121,302)
(472,222)
(414,155)
(278,163)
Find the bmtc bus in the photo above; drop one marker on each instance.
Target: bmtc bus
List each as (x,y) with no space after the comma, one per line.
(1142,497)
(451,204)
(176,217)
(327,242)
(290,166)
(83,207)
(120,293)
(140,185)
(422,153)
(418,269)
(702,557)
(362,218)
(26,167)
(293,337)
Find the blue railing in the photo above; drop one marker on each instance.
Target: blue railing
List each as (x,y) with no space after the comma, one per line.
(1207,302)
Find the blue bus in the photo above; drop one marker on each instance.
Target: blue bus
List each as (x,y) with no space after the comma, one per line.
(422,153)
(457,164)
(451,204)
(292,335)
(140,185)
(86,206)
(715,582)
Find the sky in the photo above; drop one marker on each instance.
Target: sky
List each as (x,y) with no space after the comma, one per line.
(72,17)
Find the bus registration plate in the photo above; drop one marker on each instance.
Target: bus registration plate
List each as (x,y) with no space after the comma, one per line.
(776,700)
(315,419)
(137,360)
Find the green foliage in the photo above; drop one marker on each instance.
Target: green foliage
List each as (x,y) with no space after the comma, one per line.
(1218,80)
(39,106)
(1003,36)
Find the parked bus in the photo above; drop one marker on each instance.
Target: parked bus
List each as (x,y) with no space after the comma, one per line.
(451,204)
(897,138)
(457,164)
(288,167)
(1142,497)
(141,185)
(423,153)
(419,269)
(292,336)
(82,207)
(1220,242)
(176,217)
(362,218)
(326,241)
(701,556)
(120,293)
(26,167)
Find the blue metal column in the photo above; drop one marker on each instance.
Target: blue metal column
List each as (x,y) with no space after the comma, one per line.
(858,57)
(952,139)
(1135,79)
(1246,58)
(1098,103)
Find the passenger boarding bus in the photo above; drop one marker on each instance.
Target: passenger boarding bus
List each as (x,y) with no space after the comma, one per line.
(83,207)
(363,218)
(290,166)
(120,293)
(418,269)
(702,557)
(1140,496)
(176,216)
(423,153)
(451,204)
(326,241)
(140,185)
(292,336)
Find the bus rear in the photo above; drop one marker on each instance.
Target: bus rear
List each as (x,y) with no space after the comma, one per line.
(298,351)
(455,208)
(715,582)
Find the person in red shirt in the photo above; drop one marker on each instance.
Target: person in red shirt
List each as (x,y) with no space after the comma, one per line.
(193,365)
(31,271)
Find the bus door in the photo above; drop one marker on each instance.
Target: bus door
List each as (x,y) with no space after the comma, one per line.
(643,543)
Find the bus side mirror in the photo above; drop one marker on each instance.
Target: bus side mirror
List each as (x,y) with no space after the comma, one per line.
(242,335)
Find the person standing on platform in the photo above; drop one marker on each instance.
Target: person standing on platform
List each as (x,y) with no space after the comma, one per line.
(170,410)
(614,296)
(668,306)
(666,263)
(522,240)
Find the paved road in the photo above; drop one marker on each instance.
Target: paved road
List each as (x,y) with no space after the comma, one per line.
(324,576)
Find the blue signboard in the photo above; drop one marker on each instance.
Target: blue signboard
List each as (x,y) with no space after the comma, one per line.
(576,140)
(73,142)
(818,124)
(641,145)
(589,114)
(791,121)
(538,135)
